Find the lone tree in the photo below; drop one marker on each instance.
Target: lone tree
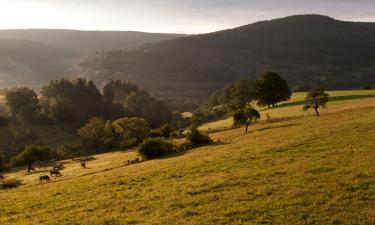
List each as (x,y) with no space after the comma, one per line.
(316,98)
(23,103)
(272,89)
(246,116)
(31,154)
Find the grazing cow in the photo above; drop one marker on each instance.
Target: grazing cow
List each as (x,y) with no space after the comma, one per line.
(58,166)
(83,165)
(9,185)
(44,178)
(31,169)
(55,172)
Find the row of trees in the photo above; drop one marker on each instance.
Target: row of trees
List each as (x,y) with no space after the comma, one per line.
(268,90)
(76,101)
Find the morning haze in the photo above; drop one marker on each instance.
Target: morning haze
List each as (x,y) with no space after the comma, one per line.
(187,112)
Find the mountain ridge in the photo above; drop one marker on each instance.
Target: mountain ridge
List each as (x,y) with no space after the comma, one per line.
(305,49)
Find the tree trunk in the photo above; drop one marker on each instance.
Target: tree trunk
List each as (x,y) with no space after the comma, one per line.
(316,111)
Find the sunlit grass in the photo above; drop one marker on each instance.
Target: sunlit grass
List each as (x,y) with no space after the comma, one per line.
(304,170)
(339,100)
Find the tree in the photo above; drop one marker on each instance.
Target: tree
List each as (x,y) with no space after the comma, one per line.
(97,134)
(31,154)
(197,138)
(71,101)
(315,99)
(165,131)
(197,119)
(246,116)
(142,105)
(23,103)
(2,167)
(242,92)
(131,131)
(152,148)
(117,90)
(272,89)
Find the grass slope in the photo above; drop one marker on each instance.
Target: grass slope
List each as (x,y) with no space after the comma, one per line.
(304,170)
(339,100)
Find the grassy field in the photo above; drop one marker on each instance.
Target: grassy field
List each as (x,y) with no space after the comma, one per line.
(302,170)
(339,100)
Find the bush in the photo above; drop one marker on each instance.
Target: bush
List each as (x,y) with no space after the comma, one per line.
(11,183)
(197,138)
(165,131)
(366,87)
(153,148)
(69,151)
(31,154)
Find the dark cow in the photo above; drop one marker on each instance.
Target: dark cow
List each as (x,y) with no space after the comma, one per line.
(83,165)
(55,172)
(44,178)
(31,169)
(58,166)
(9,185)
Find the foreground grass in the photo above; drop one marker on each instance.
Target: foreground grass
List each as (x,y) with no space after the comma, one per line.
(305,170)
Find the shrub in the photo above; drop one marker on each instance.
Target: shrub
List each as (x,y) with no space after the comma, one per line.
(30,155)
(11,183)
(153,148)
(68,151)
(366,87)
(165,131)
(197,138)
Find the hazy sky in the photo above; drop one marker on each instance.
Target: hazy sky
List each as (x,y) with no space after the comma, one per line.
(176,16)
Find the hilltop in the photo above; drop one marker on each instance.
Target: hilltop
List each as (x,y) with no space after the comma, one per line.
(298,169)
(305,49)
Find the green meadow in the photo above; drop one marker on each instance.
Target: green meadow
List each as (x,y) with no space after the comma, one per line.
(296,169)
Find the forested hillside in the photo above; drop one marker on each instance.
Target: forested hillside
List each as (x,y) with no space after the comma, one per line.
(33,57)
(306,50)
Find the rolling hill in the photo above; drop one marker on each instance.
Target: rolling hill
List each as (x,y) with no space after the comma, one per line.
(33,57)
(296,170)
(305,49)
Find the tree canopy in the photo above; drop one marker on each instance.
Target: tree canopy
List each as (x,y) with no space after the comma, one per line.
(23,103)
(31,154)
(315,99)
(272,89)
(245,116)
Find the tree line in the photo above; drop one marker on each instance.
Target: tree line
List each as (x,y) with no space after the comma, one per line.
(76,101)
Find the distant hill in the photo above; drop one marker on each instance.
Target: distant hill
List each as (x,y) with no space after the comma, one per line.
(305,49)
(31,63)
(32,57)
(87,41)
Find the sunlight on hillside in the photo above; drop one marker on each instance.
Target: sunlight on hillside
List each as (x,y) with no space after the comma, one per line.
(339,100)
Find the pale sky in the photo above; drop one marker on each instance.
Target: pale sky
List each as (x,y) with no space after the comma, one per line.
(169,16)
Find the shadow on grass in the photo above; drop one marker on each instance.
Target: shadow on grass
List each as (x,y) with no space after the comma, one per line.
(331,99)
(183,152)
(276,127)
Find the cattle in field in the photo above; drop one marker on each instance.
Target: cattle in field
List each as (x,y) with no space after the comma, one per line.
(31,170)
(58,166)
(83,165)
(55,172)
(9,184)
(44,178)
